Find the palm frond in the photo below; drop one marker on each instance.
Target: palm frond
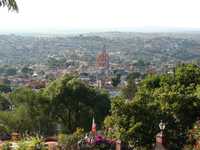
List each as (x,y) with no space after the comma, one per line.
(10,4)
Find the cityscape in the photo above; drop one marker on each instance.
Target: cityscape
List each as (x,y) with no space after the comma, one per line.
(99,75)
(95,58)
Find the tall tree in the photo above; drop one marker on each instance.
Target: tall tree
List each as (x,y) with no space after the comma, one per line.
(37,109)
(74,103)
(172,98)
(116,80)
(130,89)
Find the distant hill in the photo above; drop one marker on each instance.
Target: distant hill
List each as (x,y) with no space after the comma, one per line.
(15,49)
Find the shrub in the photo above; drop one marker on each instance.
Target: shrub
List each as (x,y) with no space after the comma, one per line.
(33,143)
(69,142)
(6,146)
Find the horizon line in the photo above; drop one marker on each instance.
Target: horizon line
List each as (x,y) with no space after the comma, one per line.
(63,31)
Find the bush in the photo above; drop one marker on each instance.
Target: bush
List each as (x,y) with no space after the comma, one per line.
(33,143)
(6,146)
(69,142)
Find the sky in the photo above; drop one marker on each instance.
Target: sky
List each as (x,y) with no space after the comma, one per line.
(57,15)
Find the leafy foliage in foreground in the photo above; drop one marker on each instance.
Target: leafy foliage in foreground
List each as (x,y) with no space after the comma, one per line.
(70,141)
(70,103)
(64,105)
(173,98)
(74,103)
(10,4)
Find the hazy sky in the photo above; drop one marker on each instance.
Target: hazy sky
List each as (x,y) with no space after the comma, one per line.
(55,15)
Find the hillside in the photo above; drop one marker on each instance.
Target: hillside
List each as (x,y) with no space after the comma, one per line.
(151,47)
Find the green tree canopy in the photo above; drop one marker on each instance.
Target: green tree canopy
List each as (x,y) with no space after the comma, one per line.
(74,103)
(5,88)
(129,90)
(31,107)
(27,71)
(5,103)
(173,98)
(66,101)
(116,80)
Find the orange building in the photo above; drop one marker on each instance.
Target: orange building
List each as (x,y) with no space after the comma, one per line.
(102,60)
